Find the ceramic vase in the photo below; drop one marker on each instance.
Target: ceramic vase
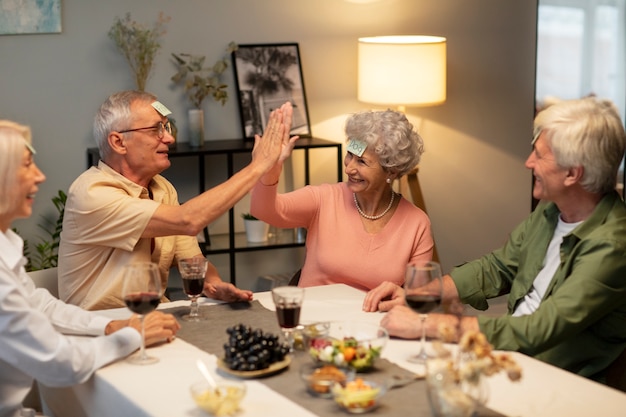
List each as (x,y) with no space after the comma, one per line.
(256,230)
(196,127)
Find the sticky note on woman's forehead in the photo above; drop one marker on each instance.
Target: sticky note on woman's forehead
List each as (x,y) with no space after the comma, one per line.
(356,147)
(160,107)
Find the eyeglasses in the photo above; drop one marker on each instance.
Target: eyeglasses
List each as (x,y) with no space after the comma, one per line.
(160,127)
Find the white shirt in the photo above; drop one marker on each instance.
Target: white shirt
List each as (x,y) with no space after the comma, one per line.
(33,329)
(551,262)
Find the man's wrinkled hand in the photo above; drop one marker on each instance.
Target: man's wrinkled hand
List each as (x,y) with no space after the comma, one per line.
(225,291)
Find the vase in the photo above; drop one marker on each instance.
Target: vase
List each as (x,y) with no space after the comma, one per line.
(196,127)
(450,397)
(256,230)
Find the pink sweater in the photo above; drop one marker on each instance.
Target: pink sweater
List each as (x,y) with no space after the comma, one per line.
(338,249)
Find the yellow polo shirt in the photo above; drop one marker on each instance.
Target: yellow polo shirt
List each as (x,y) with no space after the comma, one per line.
(105,215)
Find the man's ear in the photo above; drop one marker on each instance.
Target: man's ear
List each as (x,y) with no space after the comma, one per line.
(117,143)
(574,175)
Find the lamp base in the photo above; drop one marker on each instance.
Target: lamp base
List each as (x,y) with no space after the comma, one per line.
(418,199)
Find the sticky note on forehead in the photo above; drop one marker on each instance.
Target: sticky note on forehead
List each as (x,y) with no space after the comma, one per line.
(535,138)
(357,147)
(30,147)
(160,107)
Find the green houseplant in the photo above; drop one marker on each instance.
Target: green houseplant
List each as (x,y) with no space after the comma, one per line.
(46,251)
(201,81)
(138,44)
(248,216)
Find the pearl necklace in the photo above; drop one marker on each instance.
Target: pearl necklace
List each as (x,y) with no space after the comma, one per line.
(368,217)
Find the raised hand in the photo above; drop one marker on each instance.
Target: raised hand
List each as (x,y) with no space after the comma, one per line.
(268,148)
(288,142)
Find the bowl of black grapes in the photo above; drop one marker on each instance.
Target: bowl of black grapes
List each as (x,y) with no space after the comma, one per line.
(252,352)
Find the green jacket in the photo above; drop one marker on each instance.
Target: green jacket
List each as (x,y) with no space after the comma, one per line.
(581,322)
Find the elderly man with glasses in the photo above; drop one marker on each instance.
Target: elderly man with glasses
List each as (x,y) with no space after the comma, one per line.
(124,211)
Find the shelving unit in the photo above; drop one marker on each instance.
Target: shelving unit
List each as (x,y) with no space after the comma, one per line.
(233,243)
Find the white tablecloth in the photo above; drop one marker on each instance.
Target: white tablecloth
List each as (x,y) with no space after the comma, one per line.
(162,389)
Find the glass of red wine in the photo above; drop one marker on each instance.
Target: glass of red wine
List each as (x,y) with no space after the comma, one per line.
(423,290)
(192,272)
(288,302)
(141,291)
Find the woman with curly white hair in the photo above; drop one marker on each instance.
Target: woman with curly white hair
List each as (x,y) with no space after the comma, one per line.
(359,232)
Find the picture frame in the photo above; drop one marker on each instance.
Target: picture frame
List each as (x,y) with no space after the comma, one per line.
(30,17)
(266,76)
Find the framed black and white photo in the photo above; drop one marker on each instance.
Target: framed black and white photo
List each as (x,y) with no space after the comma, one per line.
(268,75)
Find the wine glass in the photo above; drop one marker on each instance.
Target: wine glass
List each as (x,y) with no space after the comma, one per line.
(192,272)
(423,288)
(288,302)
(141,291)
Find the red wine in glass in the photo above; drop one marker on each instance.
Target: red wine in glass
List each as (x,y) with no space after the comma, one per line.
(141,292)
(288,303)
(192,272)
(423,303)
(423,291)
(143,302)
(288,316)
(193,286)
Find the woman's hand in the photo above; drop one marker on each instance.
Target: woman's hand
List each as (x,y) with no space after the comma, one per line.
(384,297)
(159,326)
(288,142)
(272,176)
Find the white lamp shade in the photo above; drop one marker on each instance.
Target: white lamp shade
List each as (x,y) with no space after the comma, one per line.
(402,70)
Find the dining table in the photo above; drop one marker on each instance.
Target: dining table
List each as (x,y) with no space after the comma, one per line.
(163,388)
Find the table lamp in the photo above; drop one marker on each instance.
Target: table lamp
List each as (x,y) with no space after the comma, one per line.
(403,71)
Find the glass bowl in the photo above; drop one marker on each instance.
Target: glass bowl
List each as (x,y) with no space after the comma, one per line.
(320,378)
(350,344)
(304,333)
(221,401)
(358,396)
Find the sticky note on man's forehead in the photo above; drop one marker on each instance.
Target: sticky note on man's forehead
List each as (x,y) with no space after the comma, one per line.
(160,107)
(356,147)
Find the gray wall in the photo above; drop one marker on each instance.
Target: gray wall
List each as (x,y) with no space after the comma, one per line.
(472,174)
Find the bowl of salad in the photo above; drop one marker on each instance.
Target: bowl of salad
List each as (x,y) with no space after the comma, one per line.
(351,344)
(358,396)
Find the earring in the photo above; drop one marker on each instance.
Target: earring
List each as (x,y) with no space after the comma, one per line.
(388,180)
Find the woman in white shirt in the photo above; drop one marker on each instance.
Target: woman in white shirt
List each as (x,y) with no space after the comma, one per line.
(33,324)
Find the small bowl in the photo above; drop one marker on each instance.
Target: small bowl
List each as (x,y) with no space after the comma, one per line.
(221,401)
(350,344)
(320,379)
(304,333)
(359,396)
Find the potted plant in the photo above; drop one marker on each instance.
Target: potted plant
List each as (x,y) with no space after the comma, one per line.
(256,230)
(138,44)
(200,82)
(46,251)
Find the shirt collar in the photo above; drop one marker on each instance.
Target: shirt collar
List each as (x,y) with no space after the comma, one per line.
(131,187)
(12,250)
(597,217)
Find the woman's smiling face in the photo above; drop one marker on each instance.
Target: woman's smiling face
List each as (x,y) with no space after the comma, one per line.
(365,172)
(27,180)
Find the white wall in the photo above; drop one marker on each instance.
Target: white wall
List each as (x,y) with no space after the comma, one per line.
(472,174)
